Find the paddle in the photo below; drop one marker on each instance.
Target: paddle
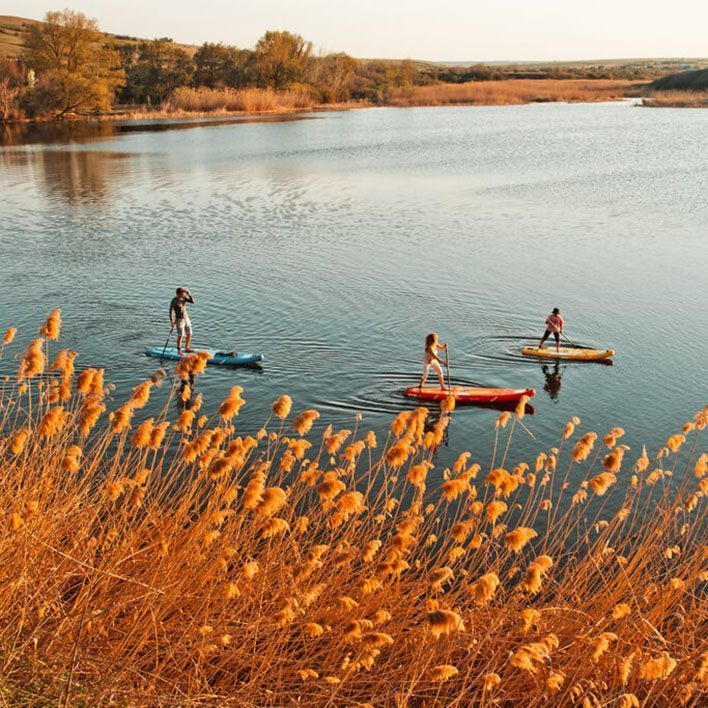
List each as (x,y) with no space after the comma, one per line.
(164,349)
(447,366)
(569,342)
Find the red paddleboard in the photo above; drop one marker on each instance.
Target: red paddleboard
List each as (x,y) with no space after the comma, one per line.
(470,394)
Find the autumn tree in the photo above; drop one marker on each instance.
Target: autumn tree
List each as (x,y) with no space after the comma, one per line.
(281,58)
(155,70)
(218,65)
(76,71)
(332,76)
(11,81)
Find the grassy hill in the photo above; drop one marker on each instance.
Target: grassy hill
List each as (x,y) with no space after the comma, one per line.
(11,35)
(11,29)
(696,80)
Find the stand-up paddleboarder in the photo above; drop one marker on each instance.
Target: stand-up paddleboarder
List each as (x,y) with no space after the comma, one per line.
(180,319)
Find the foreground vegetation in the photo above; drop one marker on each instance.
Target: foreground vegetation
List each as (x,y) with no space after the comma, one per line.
(66,67)
(172,560)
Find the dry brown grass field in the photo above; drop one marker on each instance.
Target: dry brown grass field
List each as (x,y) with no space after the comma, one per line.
(677,99)
(248,100)
(173,560)
(515,91)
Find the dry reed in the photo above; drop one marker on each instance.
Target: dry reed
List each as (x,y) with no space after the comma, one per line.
(513,91)
(249,100)
(155,562)
(676,99)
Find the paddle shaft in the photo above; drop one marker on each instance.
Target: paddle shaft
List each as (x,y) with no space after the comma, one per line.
(167,341)
(447,366)
(569,342)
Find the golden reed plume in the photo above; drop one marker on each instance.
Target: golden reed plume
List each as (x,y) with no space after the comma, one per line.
(155,559)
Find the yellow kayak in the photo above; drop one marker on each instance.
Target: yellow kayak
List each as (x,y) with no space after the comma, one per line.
(574,353)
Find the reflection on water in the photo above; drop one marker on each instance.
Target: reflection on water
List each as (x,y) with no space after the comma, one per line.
(334,245)
(66,132)
(54,133)
(552,386)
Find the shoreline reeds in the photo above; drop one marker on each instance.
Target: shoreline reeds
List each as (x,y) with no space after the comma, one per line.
(676,99)
(169,559)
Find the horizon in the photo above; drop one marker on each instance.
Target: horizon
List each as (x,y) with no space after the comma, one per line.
(635,32)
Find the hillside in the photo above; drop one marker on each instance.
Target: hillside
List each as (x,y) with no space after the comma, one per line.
(11,29)
(696,80)
(11,35)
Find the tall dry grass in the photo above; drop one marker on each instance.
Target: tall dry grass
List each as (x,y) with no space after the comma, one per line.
(677,99)
(513,91)
(171,560)
(248,100)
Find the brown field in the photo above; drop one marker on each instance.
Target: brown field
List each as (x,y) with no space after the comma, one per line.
(514,91)
(173,560)
(11,41)
(677,99)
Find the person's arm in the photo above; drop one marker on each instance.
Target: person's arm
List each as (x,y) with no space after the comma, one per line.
(189,297)
(561,324)
(172,307)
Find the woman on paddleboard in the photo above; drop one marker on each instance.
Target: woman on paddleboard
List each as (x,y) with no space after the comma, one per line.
(180,319)
(554,326)
(431,359)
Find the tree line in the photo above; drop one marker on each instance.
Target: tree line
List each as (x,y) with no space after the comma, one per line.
(69,67)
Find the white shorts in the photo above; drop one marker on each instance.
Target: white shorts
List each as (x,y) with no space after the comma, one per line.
(435,365)
(183,327)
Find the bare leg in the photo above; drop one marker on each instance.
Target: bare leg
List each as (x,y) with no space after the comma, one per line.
(179,344)
(441,380)
(558,343)
(187,343)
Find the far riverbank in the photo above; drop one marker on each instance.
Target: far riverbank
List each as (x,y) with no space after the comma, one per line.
(204,102)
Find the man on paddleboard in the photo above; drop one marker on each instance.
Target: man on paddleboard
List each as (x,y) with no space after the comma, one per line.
(180,319)
(554,326)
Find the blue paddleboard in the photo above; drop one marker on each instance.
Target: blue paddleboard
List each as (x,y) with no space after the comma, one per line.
(218,358)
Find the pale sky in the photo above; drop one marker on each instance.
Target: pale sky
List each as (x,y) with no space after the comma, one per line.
(438,30)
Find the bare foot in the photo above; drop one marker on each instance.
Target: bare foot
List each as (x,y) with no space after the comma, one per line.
(179,352)
(189,350)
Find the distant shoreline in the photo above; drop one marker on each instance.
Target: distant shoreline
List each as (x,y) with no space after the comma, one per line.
(213,103)
(481,93)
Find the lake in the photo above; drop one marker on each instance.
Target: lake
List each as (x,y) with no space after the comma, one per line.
(333,242)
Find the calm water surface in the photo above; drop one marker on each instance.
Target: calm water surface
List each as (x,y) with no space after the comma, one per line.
(334,243)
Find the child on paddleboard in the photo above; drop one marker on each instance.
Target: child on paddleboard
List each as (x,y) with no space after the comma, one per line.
(180,319)
(554,326)
(431,359)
